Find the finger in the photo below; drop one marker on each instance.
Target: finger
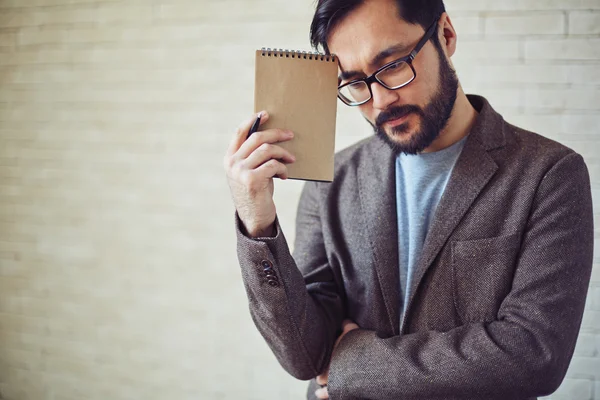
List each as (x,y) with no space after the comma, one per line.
(348,325)
(347,328)
(259,138)
(338,340)
(323,378)
(267,152)
(271,169)
(322,393)
(242,132)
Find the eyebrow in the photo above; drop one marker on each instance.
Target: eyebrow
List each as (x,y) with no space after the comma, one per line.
(382,55)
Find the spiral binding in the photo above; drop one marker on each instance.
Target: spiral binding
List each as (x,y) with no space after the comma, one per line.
(268,52)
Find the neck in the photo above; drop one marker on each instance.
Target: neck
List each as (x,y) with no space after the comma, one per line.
(459,125)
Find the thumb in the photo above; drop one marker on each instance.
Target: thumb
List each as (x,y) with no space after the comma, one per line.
(323,378)
(349,325)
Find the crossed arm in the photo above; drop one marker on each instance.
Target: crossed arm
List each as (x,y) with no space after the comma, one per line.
(524,353)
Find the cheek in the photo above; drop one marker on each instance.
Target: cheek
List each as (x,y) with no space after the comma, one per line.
(367,111)
(421,86)
(427,69)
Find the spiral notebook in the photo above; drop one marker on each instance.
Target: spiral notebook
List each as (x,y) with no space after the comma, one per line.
(299,90)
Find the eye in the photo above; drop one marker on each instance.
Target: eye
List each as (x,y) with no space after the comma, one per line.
(397,65)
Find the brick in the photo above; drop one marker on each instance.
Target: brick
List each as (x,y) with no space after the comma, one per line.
(517,5)
(591,320)
(593,166)
(24,93)
(584,23)
(467,25)
(580,389)
(7,38)
(587,150)
(526,24)
(588,345)
(173,36)
(488,50)
(504,99)
(563,49)
(582,99)
(212,11)
(123,58)
(594,296)
(82,74)
(46,57)
(6,50)
(558,125)
(100,13)
(588,367)
(532,75)
(596,271)
(45,3)
(48,111)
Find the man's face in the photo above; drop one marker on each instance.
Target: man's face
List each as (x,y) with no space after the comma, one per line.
(409,119)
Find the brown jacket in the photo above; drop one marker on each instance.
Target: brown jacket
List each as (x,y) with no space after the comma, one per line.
(496,300)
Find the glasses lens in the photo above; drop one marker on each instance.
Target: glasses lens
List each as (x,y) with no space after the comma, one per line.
(396,75)
(357,92)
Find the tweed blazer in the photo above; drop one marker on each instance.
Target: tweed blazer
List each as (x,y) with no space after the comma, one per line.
(498,294)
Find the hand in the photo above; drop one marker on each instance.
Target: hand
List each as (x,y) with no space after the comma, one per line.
(250,166)
(322,379)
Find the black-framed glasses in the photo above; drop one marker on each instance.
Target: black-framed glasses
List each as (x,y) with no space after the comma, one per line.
(393,75)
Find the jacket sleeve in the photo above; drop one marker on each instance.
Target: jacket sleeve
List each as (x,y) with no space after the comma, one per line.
(298,313)
(525,352)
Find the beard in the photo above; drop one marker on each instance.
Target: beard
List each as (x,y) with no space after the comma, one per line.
(434,117)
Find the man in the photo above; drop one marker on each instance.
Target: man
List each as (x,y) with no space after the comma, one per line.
(451,255)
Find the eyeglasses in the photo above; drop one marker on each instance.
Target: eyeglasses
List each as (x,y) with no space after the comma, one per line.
(392,76)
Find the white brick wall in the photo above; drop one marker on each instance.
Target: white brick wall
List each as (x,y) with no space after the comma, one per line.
(553,87)
(118,277)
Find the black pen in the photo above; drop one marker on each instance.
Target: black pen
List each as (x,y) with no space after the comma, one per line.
(255,125)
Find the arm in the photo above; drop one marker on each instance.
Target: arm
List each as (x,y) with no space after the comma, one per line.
(297,316)
(300,317)
(525,352)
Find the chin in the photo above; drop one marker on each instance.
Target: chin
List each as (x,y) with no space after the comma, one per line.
(400,133)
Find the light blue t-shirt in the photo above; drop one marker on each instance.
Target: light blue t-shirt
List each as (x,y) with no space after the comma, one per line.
(420,183)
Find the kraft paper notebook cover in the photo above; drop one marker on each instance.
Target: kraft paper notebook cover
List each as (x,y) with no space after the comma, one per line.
(299,90)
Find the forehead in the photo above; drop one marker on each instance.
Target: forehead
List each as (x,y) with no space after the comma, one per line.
(367,30)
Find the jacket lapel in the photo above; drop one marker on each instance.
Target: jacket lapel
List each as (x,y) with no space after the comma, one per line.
(376,187)
(473,170)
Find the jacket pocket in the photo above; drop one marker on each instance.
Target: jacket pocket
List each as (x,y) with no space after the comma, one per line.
(482,275)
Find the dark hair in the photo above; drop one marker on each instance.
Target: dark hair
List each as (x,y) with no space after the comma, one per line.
(330,12)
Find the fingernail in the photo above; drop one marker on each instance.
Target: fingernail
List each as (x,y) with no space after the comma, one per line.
(320,393)
(290,134)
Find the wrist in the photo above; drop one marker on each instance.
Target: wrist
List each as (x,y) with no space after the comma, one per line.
(262,232)
(254,231)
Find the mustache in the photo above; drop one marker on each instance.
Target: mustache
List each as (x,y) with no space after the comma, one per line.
(397,112)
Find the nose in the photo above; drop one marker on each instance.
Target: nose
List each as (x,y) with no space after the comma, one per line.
(382,97)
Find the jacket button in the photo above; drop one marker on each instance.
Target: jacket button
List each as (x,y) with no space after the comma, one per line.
(269,272)
(273,283)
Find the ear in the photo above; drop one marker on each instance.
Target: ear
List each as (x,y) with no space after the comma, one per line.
(447,35)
